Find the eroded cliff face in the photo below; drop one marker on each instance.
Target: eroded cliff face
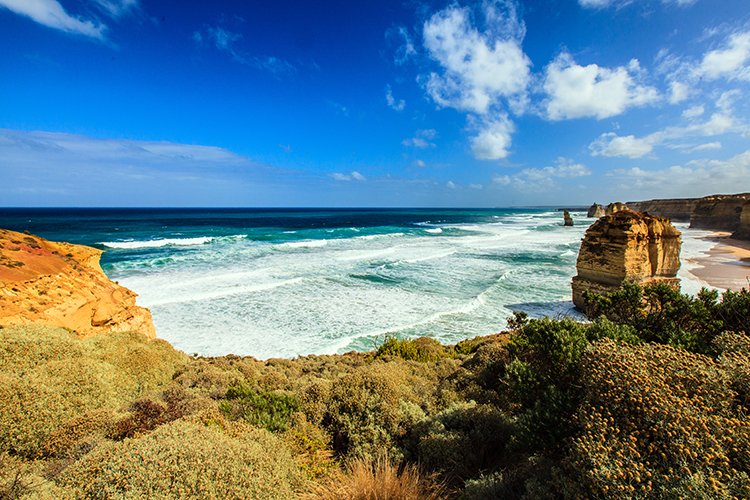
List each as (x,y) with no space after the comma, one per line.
(626,246)
(743,231)
(61,284)
(721,211)
(615,207)
(678,210)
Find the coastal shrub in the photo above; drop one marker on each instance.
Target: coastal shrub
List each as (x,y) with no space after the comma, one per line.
(462,440)
(198,458)
(22,479)
(78,435)
(659,313)
(542,378)
(658,422)
(365,413)
(58,377)
(423,349)
(145,415)
(268,409)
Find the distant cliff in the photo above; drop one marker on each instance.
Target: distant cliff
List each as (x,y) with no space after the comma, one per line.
(626,246)
(677,210)
(743,231)
(61,284)
(721,211)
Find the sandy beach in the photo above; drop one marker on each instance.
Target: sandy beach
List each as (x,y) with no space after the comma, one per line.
(727,264)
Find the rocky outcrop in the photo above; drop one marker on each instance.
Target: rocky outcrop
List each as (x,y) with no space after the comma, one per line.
(677,209)
(567,219)
(721,211)
(61,284)
(743,231)
(595,210)
(626,246)
(615,207)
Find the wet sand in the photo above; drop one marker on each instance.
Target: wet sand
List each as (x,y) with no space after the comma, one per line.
(727,264)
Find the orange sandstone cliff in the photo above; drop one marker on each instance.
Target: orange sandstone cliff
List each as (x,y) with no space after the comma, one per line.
(62,284)
(626,246)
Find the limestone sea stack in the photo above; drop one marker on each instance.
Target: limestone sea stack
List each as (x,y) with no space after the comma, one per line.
(567,219)
(61,284)
(615,207)
(595,210)
(626,246)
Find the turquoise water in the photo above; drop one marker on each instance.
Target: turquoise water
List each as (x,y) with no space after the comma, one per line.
(281,283)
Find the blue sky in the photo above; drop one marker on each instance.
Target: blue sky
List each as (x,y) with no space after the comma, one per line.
(486,103)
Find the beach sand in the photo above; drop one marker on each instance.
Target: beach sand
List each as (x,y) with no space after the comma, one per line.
(727,264)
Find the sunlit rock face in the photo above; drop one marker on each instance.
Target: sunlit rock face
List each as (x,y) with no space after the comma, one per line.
(615,207)
(595,210)
(626,246)
(743,231)
(61,284)
(567,219)
(676,210)
(720,212)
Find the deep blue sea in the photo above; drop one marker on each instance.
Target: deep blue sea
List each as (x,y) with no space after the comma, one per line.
(287,282)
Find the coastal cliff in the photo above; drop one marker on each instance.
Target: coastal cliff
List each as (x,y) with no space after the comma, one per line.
(61,284)
(626,246)
(721,211)
(743,231)
(678,210)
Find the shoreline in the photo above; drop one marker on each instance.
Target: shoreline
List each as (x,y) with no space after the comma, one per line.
(727,263)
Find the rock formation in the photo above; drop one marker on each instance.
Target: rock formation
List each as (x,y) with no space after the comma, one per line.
(595,210)
(615,207)
(568,220)
(721,211)
(61,284)
(676,210)
(743,231)
(626,246)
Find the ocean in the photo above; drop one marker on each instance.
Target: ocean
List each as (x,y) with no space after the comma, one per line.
(289,282)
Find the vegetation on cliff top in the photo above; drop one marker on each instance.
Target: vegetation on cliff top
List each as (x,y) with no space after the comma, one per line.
(650,399)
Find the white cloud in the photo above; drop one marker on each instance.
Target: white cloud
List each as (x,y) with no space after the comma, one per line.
(696,178)
(419,163)
(393,103)
(611,144)
(422,139)
(731,61)
(451,185)
(678,92)
(542,179)
(117,8)
(618,4)
(479,68)
(50,13)
(693,112)
(475,186)
(399,37)
(353,176)
(592,91)
(494,139)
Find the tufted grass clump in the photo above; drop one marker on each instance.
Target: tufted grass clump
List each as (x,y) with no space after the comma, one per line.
(205,457)
(49,377)
(658,422)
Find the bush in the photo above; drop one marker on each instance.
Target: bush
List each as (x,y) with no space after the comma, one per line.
(660,422)
(208,458)
(462,441)
(50,377)
(366,411)
(422,349)
(270,410)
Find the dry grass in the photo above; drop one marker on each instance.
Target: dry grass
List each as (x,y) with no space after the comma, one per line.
(380,479)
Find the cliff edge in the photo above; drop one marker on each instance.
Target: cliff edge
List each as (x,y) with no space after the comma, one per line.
(626,246)
(61,284)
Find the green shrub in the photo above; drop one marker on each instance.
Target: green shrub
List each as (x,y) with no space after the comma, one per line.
(189,459)
(461,441)
(270,410)
(423,349)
